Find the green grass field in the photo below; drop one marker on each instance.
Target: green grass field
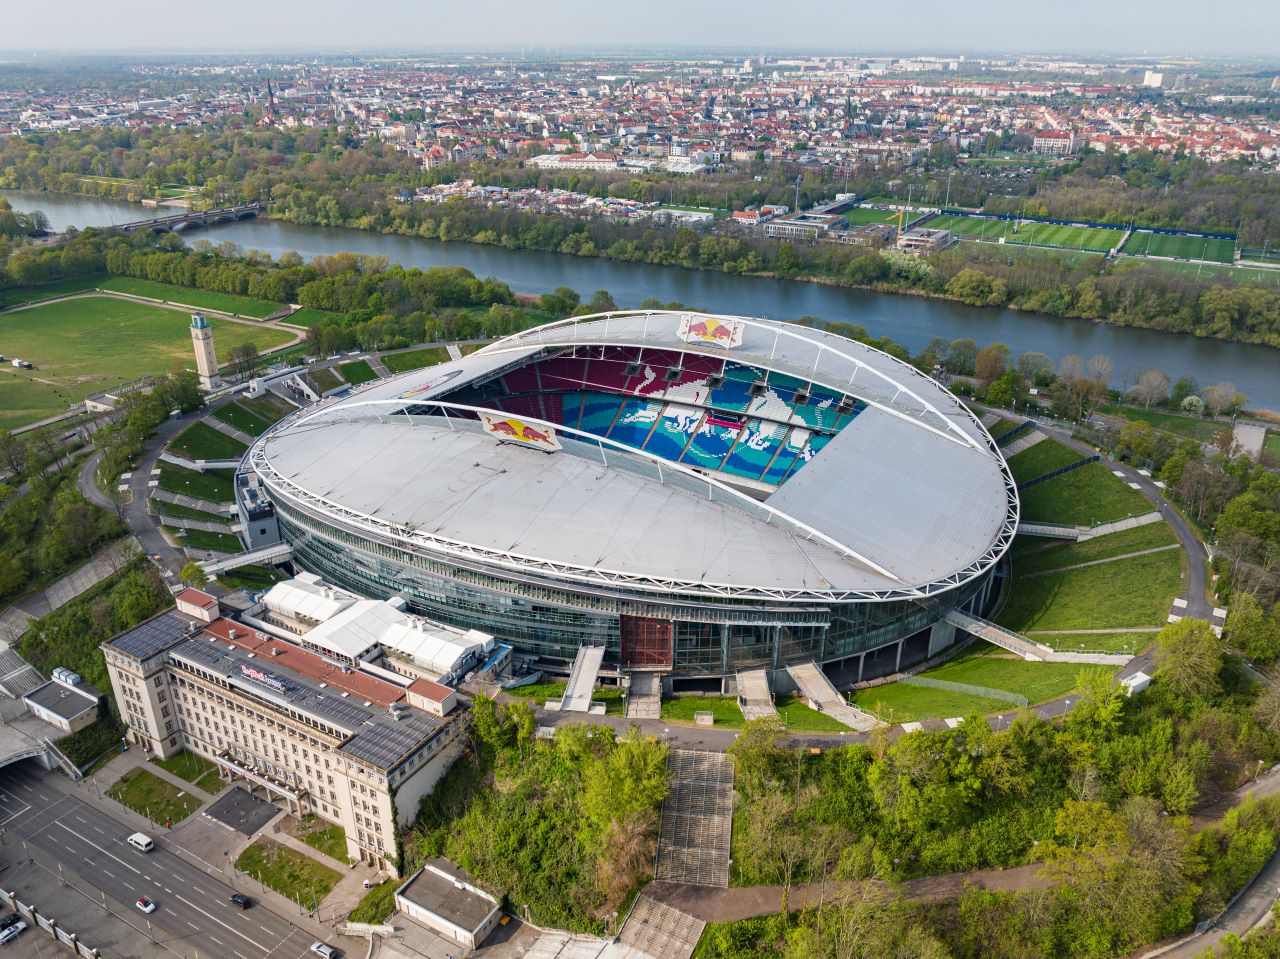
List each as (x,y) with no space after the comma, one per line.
(1272,443)
(1045,457)
(86,344)
(1127,592)
(189,296)
(34,294)
(986,665)
(323,379)
(254,578)
(267,407)
(1010,252)
(1084,497)
(288,872)
(203,539)
(1066,553)
(1227,272)
(158,799)
(539,693)
(801,718)
(1197,429)
(179,513)
(1128,643)
(329,838)
(681,709)
(212,485)
(1096,239)
(195,769)
(200,441)
(239,416)
(1142,243)
(860,216)
(357,372)
(415,359)
(897,703)
(309,316)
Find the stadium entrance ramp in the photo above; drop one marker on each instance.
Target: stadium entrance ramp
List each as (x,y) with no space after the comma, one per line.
(754,696)
(644,697)
(582,679)
(697,819)
(824,697)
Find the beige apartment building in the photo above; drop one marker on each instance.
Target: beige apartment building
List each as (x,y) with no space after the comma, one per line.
(312,734)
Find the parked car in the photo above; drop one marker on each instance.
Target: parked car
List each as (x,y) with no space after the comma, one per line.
(241,900)
(320,949)
(146,905)
(9,920)
(12,932)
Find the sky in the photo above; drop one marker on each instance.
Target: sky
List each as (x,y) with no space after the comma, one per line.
(1154,27)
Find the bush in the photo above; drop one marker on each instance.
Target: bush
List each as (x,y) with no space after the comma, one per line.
(88,744)
(377,904)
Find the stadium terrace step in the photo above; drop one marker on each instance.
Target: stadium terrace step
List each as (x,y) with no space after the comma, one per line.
(582,679)
(659,930)
(1023,443)
(823,696)
(226,429)
(644,698)
(696,819)
(276,553)
(200,465)
(1052,530)
(754,696)
(204,505)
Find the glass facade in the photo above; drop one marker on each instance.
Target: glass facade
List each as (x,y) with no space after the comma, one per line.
(709,638)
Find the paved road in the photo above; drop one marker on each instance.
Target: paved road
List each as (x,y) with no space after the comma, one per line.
(193,912)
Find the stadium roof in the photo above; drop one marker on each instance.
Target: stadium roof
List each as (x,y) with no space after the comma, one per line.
(908,499)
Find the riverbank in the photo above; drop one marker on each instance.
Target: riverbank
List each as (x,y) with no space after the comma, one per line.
(911,321)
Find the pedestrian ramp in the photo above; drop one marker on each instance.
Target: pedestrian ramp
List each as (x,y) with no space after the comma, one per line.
(1019,644)
(754,697)
(582,679)
(658,930)
(276,553)
(1023,442)
(696,819)
(824,697)
(644,698)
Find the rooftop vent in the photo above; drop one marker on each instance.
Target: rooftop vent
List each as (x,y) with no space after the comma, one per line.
(232,633)
(251,655)
(324,685)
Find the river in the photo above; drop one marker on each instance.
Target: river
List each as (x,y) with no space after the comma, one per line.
(911,321)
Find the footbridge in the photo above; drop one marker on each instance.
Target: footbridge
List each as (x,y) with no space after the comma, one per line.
(192,218)
(276,553)
(1031,651)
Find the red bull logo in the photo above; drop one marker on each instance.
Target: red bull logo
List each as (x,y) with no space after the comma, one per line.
(512,430)
(423,388)
(708,329)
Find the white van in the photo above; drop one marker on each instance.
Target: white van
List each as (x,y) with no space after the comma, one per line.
(141,842)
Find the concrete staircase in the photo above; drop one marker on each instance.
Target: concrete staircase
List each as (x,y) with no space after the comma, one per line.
(754,697)
(644,698)
(661,931)
(227,429)
(582,679)
(823,696)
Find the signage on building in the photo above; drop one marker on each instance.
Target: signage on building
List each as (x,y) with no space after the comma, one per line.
(707,329)
(511,430)
(427,386)
(259,676)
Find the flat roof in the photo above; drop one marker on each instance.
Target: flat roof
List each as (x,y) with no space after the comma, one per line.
(442,896)
(153,635)
(63,700)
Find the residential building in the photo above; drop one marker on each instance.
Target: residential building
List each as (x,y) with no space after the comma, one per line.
(1055,142)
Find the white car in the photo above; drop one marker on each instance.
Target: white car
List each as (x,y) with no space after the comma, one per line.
(146,905)
(320,949)
(12,932)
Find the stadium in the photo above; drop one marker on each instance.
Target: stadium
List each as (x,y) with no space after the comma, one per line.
(695,495)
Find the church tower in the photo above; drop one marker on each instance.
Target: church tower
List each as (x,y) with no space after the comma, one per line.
(206,359)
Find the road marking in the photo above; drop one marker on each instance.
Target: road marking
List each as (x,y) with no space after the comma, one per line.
(104,851)
(240,954)
(221,923)
(98,831)
(215,939)
(193,926)
(106,872)
(83,820)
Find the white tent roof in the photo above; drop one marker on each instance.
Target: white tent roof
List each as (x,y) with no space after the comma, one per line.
(307,597)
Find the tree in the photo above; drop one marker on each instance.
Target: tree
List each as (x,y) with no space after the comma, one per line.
(1101,369)
(244,360)
(1036,368)
(989,364)
(1192,406)
(1252,630)
(1190,659)
(1007,390)
(1184,386)
(1222,398)
(1152,387)
(193,575)
(961,356)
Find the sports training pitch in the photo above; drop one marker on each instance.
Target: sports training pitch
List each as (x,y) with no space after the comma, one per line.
(93,342)
(1143,243)
(1096,239)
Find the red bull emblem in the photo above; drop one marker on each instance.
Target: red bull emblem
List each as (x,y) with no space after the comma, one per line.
(511,430)
(708,329)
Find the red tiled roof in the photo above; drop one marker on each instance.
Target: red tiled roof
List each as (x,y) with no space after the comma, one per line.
(196,597)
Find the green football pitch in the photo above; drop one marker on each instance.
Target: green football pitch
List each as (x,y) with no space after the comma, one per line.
(1145,243)
(1096,239)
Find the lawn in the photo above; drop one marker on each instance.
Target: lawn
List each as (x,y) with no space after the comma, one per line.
(233,414)
(195,769)
(323,835)
(378,903)
(1096,239)
(1144,243)
(212,485)
(309,316)
(288,872)
(896,703)
(725,709)
(800,717)
(1128,643)
(188,296)
(179,512)
(323,379)
(1084,497)
(860,216)
(158,799)
(1272,443)
(200,441)
(986,665)
(1189,426)
(1045,457)
(268,407)
(90,343)
(254,578)
(614,703)
(1128,592)
(1066,553)
(199,539)
(415,359)
(1230,272)
(45,291)
(357,372)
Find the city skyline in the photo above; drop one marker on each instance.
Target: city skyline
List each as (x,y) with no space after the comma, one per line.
(1094,28)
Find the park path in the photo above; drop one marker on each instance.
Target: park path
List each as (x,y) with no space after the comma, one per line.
(1100,562)
(17,619)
